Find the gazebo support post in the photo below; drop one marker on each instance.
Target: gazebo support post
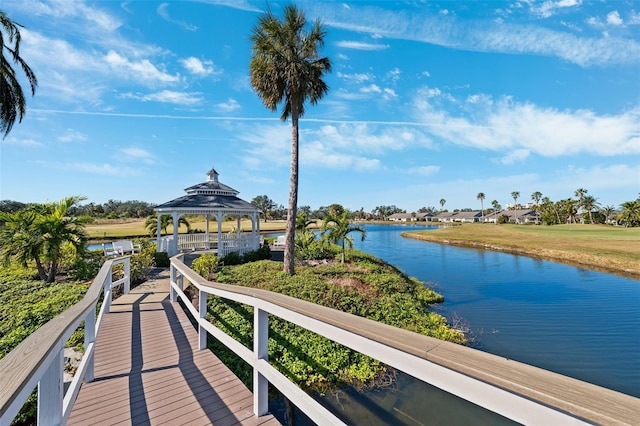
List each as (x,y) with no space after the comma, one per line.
(174,243)
(208,243)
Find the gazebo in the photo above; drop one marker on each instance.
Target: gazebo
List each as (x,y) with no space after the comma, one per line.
(210,199)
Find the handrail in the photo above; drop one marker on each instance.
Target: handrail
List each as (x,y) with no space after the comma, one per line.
(521,392)
(39,359)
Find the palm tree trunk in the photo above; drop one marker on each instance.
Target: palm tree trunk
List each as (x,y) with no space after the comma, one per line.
(342,250)
(293,194)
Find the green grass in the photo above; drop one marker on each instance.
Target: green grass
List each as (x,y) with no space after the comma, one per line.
(134,228)
(608,248)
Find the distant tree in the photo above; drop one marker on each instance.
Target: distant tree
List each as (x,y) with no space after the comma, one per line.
(335,210)
(430,210)
(286,68)
(265,204)
(630,213)
(496,205)
(306,210)
(481,197)
(589,204)
(608,211)
(13,105)
(515,195)
(383,212)
(442,203)
(537,196)
(10,206)
(39,234)
(337,230)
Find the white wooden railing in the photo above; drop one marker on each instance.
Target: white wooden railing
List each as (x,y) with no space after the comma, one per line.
(517,391)
(39,359)
(229,242)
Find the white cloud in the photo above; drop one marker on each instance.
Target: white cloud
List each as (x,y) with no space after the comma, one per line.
(143,70)
(394,74)
(71,9)
(162,11)
(230,105)
(138,154)
(422,171)
(613,18)
(549,8)
(485,36)
(516,156)
(169,96)
(72,136)
(372,88)
(357,45)
(355,78)
(20,142)
(198,67)
(93,168)
(548,132)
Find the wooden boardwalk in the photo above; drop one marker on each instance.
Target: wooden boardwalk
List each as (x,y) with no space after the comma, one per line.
(149,371)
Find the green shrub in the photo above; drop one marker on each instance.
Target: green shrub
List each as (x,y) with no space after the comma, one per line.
(366,287)
(206,265)
(503,218)
(232,258)
(161,259)
(262,253)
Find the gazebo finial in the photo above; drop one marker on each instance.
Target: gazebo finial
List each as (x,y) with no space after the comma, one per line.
(212,175)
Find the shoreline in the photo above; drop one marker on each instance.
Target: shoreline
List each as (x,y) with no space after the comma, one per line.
(604,265)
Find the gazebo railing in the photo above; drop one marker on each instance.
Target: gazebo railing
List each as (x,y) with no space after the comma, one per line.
(228,243)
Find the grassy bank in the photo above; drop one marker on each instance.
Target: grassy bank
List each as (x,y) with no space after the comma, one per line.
(604,248)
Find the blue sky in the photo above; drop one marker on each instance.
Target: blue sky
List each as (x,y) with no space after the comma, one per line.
(137,100)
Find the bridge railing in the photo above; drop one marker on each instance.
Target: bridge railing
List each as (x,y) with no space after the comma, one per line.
(523,393)
(39,359)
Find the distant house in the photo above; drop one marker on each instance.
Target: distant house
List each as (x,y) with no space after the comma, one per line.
(401,217)
(521,215)
(467,217)
(443,217)
(492,217)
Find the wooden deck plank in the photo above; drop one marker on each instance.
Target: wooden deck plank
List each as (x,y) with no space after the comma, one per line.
(148,370)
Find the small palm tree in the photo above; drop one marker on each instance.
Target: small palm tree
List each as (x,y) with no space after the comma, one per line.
(630,213)
(13,104)
(41,234)
(442,203)
(336,229)
(481,197)
(303,222)
(166,220)
(286,68)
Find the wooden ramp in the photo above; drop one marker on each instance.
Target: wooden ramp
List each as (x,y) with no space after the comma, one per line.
(149,371)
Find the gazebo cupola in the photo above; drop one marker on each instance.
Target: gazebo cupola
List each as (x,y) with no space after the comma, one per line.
(211,199)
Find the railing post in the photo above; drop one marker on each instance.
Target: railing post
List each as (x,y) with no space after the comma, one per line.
(51,392)
(127,275)
(172,292)
(202,309)
(260,351)
(90,337)
(107,292)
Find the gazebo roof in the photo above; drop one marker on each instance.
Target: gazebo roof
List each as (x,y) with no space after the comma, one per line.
(209,197)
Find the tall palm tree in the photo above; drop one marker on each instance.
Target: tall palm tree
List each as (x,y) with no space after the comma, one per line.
(286,67)
(580,194)
(442,203)
(608,212)
(515,195)
(13,103)
(590,203)
(41,234)
(481,197)
(336,229)
(537,196)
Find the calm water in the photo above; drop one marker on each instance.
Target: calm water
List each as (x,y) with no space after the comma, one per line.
(573,321)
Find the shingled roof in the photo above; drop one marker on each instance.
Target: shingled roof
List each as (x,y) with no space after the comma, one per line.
(207,196)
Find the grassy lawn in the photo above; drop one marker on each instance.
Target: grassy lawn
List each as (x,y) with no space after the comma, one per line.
(612,249)
(134,228)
